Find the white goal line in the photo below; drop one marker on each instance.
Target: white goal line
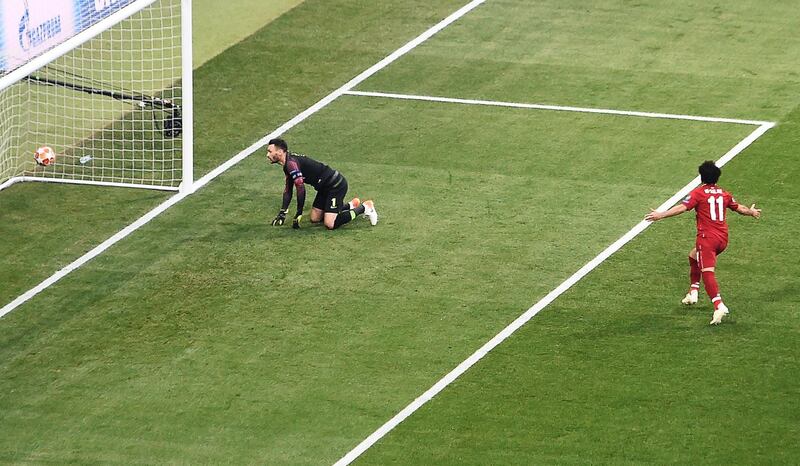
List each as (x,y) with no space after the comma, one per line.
(458,371)
(23,179)
(494,103)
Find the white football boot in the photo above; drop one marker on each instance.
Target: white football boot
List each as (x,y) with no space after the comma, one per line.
(370,212)
(690,298)
(722,311)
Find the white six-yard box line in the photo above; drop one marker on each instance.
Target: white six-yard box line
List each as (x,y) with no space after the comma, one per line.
(346,89)
(761,128)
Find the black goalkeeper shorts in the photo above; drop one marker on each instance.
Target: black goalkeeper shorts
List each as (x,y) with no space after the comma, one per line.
(331,200)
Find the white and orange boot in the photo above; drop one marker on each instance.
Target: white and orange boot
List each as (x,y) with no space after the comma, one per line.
(370,212)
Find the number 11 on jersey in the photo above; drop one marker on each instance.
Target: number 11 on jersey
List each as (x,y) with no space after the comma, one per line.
(718,213)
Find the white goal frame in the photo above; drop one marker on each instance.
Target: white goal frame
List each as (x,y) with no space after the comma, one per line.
(187,153)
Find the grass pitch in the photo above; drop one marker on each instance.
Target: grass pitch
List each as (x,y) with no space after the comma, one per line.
(209,336)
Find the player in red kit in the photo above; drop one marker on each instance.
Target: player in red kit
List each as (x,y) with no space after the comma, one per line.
(709,201)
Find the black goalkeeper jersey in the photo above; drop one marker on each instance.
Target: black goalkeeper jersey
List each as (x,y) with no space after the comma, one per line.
(301,170)
(310,171)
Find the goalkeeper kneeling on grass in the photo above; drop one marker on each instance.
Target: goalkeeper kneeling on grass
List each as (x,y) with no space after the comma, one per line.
(329,206)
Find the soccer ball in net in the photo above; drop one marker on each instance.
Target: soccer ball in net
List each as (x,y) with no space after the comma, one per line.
(44,156)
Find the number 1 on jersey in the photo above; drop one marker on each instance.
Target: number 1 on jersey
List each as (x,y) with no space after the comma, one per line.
(717,214)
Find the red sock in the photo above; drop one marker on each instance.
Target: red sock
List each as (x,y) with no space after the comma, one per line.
(712,288)
(694,275)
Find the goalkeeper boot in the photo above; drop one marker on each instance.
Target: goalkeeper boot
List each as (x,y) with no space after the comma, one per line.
(690,298)
(370,212)
(354,203)
(720,312)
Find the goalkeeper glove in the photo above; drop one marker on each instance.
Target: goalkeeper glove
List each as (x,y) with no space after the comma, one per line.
(296,221)
(279,219)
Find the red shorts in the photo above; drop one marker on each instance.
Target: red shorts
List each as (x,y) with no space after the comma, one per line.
(708,248)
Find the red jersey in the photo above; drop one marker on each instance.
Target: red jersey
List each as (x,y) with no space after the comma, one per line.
(710,202)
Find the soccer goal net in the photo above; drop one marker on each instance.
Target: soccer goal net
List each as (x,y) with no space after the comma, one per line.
(105,83)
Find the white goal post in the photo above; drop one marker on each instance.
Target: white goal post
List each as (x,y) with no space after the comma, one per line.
(107,84)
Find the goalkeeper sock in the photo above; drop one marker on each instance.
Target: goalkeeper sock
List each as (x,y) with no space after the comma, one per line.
(347,215)
(344,217)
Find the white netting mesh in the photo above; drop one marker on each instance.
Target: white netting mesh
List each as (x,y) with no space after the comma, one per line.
(111,108)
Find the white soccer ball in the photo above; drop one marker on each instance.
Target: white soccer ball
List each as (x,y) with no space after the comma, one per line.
(44,156)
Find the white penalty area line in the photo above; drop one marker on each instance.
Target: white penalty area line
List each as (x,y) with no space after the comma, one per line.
(605,111)
(763,127)
(238,158)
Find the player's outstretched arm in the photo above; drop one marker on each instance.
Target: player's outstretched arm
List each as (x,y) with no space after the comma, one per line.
(655,216)
(301,201)
(751,211)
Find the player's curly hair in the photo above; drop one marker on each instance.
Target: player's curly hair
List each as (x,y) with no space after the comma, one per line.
(279,143)
(709,172)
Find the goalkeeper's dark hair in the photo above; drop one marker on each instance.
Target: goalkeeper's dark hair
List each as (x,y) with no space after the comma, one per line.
(279,143)
(709,172)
